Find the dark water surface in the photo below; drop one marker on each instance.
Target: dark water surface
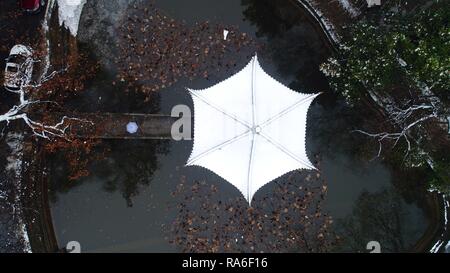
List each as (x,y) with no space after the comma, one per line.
(125,203)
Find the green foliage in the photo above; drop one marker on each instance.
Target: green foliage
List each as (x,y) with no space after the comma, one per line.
(399,51)
(440,177)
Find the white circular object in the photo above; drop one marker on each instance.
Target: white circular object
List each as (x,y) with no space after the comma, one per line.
(132,127)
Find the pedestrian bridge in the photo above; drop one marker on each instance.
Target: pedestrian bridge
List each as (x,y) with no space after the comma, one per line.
(114,125)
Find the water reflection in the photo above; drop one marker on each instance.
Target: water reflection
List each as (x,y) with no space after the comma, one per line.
(125,168)
(148,174)
(383,217)
(287,32)
(285,216)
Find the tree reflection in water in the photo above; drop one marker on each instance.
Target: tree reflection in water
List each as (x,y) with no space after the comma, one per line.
(291,42)
(382,217)
(127,166)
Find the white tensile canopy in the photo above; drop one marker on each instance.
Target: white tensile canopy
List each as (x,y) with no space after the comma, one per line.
(250,129)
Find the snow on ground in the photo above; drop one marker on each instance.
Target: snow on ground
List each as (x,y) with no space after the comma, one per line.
(69,13)
(324,23)
(14,170)
(437,246)
(14,165)
(349,7)
(2,194)
(371,3)
(45,27)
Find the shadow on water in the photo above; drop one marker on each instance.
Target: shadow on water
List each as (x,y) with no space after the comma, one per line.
(97,211)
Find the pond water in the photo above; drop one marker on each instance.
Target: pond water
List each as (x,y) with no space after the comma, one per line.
(127,204)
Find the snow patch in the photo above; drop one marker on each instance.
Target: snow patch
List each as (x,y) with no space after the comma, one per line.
(324,23)
(24,233)
(21,50)
(402,62)
(69,13)
(437,246)
(348,7)
(14,160)
(45,27)
(14,167)
(225,34)
(371,3)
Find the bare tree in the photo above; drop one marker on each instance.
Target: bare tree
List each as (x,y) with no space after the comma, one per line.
(20,110)
(408,115)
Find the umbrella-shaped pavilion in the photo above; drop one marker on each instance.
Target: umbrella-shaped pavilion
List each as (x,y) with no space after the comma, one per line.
(250,129)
